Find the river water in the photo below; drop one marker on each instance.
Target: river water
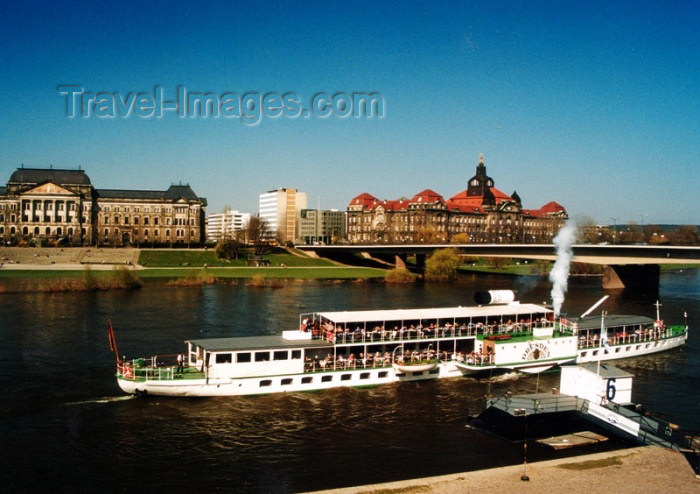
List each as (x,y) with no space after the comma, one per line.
(65,426)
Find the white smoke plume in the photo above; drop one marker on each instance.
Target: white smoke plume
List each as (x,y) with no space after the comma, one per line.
(559,275)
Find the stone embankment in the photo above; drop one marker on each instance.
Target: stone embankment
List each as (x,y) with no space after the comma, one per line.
(649,469)
(68,258)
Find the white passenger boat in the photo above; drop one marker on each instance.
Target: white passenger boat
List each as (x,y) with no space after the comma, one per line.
(366,348)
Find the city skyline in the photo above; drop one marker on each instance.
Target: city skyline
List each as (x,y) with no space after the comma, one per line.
(593,106)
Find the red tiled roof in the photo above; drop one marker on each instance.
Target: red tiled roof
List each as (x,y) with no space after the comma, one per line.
(551,207)
(428,196)
(398,205)
(462,199)
(500,196)
(364,199)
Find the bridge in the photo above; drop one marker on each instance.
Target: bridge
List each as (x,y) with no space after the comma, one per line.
(625,266)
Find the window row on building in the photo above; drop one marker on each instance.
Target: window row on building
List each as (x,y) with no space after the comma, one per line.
(479,214)
(58,205)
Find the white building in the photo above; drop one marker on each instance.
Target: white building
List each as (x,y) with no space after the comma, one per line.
(220,225)
(280,209)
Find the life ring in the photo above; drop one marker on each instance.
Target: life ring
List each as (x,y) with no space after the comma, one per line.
(128,372)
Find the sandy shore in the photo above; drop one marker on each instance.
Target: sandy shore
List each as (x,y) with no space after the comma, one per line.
(649,469)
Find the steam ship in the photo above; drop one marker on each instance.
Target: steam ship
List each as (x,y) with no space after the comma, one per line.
(367,348)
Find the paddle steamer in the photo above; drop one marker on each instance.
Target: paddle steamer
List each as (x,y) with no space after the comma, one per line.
(367,348)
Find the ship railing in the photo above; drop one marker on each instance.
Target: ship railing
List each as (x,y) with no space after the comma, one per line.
(158,367)
(373,362)
(657,430)
(347,364)
(631,337)
(476,359)
(379,335)
(537,403)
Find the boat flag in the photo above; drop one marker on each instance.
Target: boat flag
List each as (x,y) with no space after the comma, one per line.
(112,340)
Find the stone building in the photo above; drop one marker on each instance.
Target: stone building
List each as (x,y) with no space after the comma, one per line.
(62,206)
(479,214)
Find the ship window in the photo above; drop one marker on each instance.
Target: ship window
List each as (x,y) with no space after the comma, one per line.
(262,356)
(307,380)
(286,381)
(280,355)
(583,354)
(382,374)
(243,357)
(364,375)
(617,350)
(638,347)
(417,373)
(345,377)
(296,354)
(224,358)
(266,382)
(325,379)
(595,352)
(434,371)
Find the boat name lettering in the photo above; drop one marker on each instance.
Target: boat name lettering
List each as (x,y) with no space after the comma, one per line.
(536,351)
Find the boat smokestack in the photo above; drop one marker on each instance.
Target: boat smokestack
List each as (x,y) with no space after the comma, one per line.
(494,297)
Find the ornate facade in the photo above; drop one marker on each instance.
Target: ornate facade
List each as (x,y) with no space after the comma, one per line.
(479,214)
(52,205)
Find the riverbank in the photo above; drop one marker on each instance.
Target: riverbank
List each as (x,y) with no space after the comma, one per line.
(38,279)
(648,469)
(33,269)
(91,269)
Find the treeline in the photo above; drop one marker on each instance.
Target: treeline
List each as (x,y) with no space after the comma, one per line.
(633,234)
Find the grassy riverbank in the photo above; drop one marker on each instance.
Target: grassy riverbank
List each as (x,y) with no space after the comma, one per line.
(87,280)
(74,269)
(167,258)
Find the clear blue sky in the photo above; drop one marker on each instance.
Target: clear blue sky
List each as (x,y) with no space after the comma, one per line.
(595,105)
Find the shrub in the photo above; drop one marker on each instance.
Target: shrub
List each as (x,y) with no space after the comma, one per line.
(126,278)
(400,275)
(89,279)
(442,265)
(256,280)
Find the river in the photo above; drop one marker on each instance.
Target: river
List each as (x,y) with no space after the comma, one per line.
(67,427)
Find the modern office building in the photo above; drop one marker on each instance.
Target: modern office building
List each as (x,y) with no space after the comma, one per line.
(226,224)
(280,209)
(479,214)
(62,206)
(320,227)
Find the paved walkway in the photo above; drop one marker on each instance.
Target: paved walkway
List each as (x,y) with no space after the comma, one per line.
(649,469)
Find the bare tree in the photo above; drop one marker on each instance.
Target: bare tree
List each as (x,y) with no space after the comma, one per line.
(259,234)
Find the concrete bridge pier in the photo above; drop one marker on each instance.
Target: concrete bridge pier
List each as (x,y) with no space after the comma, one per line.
(400,260)
(631,276)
